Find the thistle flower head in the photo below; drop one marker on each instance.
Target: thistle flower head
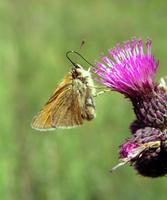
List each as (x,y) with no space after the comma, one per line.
(131,71)
(128,69)
(146,151)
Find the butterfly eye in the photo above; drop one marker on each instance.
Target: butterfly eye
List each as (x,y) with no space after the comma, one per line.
(76,72)
(77,66)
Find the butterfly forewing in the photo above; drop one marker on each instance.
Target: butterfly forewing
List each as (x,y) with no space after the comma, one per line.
(43,120)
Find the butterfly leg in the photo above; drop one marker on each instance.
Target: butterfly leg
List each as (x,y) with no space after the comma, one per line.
(101,92)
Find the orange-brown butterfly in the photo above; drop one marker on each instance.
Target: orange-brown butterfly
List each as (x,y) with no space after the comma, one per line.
(71,103)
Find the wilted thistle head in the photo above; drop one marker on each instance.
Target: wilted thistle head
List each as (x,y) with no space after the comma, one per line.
(146,151)
(131,72)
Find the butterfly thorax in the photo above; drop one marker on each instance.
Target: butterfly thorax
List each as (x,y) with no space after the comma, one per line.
(83,84)
(83,78)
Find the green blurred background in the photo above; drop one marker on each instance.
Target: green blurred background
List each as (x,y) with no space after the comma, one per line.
(69,164)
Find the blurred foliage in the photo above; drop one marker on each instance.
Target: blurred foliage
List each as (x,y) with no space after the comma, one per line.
(69,164)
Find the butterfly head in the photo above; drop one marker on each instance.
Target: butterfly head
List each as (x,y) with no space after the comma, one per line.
(78,72)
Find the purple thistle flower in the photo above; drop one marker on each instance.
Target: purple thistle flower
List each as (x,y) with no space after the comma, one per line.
(130,70)
(146,151)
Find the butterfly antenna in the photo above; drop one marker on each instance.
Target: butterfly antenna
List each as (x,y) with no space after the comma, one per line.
(67,55)
(82,44)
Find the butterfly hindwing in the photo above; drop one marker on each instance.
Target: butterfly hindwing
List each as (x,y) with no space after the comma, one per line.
(68,111)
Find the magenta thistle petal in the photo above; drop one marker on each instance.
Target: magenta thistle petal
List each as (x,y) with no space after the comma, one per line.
(128,69)
(126,148)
